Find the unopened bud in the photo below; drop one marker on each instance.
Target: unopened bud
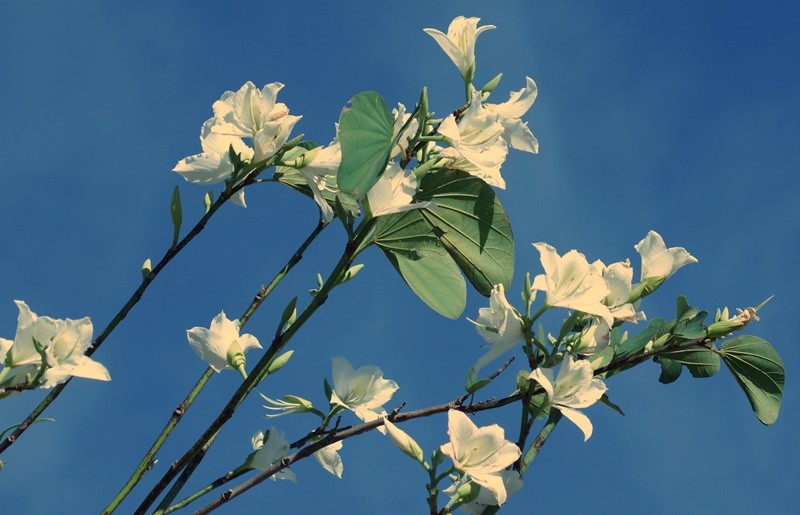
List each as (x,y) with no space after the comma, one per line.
(725,327)
(404,442)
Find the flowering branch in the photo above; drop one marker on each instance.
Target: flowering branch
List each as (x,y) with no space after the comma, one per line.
(171,252)
(259,298)
(351,250)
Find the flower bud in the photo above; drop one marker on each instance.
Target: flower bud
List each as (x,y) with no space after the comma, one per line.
(404,442)
(645,288)
(279,362)
(467,492)
(725,327)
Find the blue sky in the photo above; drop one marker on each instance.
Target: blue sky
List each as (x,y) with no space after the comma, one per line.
(677,117)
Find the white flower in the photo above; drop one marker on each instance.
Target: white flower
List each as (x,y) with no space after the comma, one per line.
(213,165)
(511,480)
(63,343)
(570,282)
(403,441)
(515,132)
(481,453)
(594,338)
(459,43)
(319,167)
(269,449)
(330,460)
(221,345)
(573,389)
(363,391)
(658,260)
(476,142)
(499,325)
(394,192)
(255,114)
(618,277)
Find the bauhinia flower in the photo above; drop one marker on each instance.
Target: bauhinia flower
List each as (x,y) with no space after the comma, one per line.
(255,114)
(515,131)
(214,165)
(511,480)
(363,391)
(459,43)
(480,453)
(499,325)
(658,260)
(618,277)
(594,338)
(330,460)
(574,388)
(403,441)
(570,282)
(268,449)
(394,192)
(319,167)
(61,342)
(221,345)
(476,143)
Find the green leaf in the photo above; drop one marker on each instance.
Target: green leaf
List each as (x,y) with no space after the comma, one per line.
(468,221)
(692,329)
(365,133)
(683,306)
(699,360)
(177,215)
(758,369)
(670,369)
(472,225)
(635,344)
(434,277)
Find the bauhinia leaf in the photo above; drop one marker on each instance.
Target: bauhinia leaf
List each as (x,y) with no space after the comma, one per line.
(758,369)
(466,229)
(365,133)
(699,360)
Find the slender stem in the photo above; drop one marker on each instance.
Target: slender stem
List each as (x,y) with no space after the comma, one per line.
(350,432)
(259,298)
(351,250)
(132,301)
(539,441)
(230,476)
(149,457)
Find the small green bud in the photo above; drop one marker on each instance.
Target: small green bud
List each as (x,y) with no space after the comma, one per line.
(467,492)
(235,356)
(645,288)
(725,326)
(489,87)
(279,362)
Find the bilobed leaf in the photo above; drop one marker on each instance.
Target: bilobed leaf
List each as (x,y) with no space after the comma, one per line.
(759,370)
(365,133)
(699,360)
(434,277)
(472,225)
(466,229)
